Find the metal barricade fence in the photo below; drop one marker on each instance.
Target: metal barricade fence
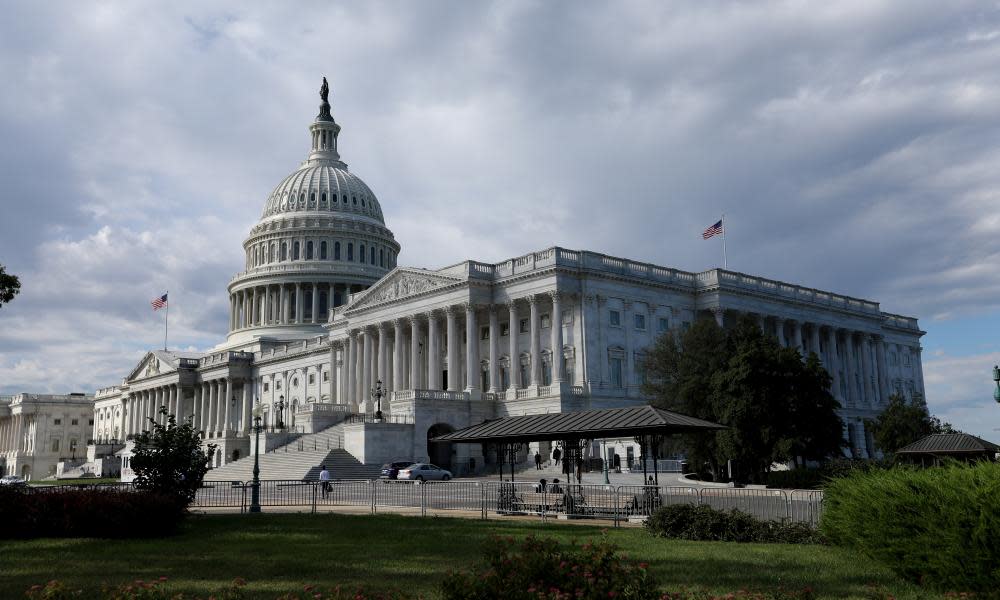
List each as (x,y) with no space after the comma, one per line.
(591,501)
(222,494)
(453,495)
(400,494)
(768,504)
(346,492)
(287,493)
(642,500)
(804,506)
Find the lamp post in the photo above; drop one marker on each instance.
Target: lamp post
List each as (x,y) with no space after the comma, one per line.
(605,462)
(996,378)
(281,412)
(377,393)
(255,486)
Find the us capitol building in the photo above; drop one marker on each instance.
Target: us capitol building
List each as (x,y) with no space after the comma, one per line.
(321,313)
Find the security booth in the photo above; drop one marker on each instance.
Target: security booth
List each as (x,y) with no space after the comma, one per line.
(935,448)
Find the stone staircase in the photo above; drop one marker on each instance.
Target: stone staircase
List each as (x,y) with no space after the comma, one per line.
(300,460)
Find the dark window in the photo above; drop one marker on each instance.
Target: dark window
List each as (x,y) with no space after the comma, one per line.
(354,199)
(362,201)
(350,251)
(284,251)
(323,198)
(336,251)
(372,261)
(309,250)
(322,250)
(361,253)
(381,257)
(312,197)
(345,198)
(295,251)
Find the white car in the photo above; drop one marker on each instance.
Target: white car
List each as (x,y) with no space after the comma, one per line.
(12,480)
(424,472)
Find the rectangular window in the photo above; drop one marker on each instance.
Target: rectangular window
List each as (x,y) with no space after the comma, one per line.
(74,422)
(546,321)
(266,386)
(312,378)
(567,316)
(57,421)
(524,326)
(616,373)
(664,325)
(615,318)
(91,422)
(640,369)
(55,445)
(906,360)
(525,380)
(484,333)
(326,376)
(504,329)
(640,321)
(546,373)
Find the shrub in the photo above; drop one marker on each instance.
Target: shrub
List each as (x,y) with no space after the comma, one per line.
(689,522)
(812,479)
(939,526)
(543,569)
(87,513)
(168,459)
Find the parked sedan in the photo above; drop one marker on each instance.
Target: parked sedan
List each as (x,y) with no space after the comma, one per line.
(391,470)
(13,481)
(424,472)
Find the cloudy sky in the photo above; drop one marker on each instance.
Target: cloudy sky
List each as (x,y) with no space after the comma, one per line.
(853,147)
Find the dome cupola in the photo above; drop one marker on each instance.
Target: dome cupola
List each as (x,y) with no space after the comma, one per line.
(321,236)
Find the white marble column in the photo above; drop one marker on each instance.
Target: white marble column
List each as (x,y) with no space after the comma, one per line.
(286,311)
(515,360)
(315,303)
(779,328)
(883,382)
(398,377)
(414,353)
(433,352)
(383,357)
(350,372)
(536,351)
(245,413)
(454,369)
(833,364)
(298,304)
(213,403)
(867,387)
(797,335)
(850,368)
(494,350)
(366,370)
(762,323)
(471,350)
(359,369)
(814,340)
(557,338)
(333,373)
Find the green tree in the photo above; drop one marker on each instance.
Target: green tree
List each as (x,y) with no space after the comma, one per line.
(10,286)
(817,431)
(168,459)
(903,423)
(679,370)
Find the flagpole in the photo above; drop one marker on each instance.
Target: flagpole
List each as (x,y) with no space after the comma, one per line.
(166,316)
(725,259)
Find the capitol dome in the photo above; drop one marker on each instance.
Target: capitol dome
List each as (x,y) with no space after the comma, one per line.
(320,237)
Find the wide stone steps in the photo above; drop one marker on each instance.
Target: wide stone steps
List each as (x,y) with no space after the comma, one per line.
(300,460)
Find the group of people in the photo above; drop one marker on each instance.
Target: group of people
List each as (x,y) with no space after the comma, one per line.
(616,462)
(551,488)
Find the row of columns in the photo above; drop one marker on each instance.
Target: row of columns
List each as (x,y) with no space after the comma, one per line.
(214,407)
(13,436)
(366,357)
(284,304)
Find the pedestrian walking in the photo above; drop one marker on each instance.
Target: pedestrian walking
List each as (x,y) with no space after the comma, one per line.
(618,463)
(538,461)
(556,455)
(324,481)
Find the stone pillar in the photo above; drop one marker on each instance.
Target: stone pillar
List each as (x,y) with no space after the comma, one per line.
(414,353)
(918,365)
(245,413)
(850,368)
(779,328)
(433,352)
(761,322)
(514,330)
(359,369)
(536,350)
(833,364)
(867,387)
(454,368)
(494,350)
(350,372)
(332,373)
(213,404)
(814,340)
(265,305)
(372,370)
(383,347)
(557,338)
(366,370)
(298,304)
(315,303)
(883,382)
(398,377)
(471,350)
(797,335)
(718,312)
(227,413)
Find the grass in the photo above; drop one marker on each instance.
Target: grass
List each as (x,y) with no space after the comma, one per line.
(280,553)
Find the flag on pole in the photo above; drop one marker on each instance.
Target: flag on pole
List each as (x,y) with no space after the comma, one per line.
(159,303)
(712,231)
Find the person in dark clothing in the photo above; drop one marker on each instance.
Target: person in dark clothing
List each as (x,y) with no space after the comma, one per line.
(557,455)
(538,461)
(618,463)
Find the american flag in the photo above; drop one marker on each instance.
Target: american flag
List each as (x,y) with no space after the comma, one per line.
(713,230)
(160,302)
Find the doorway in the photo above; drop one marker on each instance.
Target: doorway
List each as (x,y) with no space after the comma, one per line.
(440,453)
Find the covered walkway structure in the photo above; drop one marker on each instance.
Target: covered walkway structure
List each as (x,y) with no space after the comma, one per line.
(648,425)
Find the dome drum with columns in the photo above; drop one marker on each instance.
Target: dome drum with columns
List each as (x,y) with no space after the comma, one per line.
(321,238)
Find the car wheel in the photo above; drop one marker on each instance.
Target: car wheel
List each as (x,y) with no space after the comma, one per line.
(419,478)
(446,478)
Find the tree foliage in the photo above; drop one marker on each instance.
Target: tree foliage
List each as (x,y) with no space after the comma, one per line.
(10,286)
(169,459)
(776,406)
(903,423)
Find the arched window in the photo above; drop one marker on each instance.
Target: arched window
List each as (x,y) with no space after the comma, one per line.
(309,250)
(336,251)
(322,198)
(362,201)
(350,251)
(295,251)
(372,261)
(322,250)
(284,251)
(361,253)
(302,196)
(312,197)
(345,198)
(381,257)
(270,254)
(355,200)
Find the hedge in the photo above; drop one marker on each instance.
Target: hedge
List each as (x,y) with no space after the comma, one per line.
(86,513)
(704,523)
(939,526)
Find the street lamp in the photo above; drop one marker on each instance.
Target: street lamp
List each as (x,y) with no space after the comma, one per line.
(996,378)
(281,412)
(255,486)
(377,393)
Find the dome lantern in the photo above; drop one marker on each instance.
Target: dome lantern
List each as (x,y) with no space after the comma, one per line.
(324,131)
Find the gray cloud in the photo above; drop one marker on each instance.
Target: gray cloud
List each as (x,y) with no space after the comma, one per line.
(852,146)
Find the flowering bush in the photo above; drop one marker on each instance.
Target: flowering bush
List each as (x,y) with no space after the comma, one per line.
(542,569)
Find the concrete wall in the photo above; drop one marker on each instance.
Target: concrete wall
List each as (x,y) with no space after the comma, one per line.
(377,443)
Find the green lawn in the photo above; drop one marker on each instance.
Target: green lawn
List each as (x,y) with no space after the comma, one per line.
(280,553)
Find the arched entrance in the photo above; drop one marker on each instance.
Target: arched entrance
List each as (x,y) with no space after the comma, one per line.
(26,472)
(439,453)
(236,455)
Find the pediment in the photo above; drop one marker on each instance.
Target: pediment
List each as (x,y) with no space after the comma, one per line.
(151,365)
(401,284)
